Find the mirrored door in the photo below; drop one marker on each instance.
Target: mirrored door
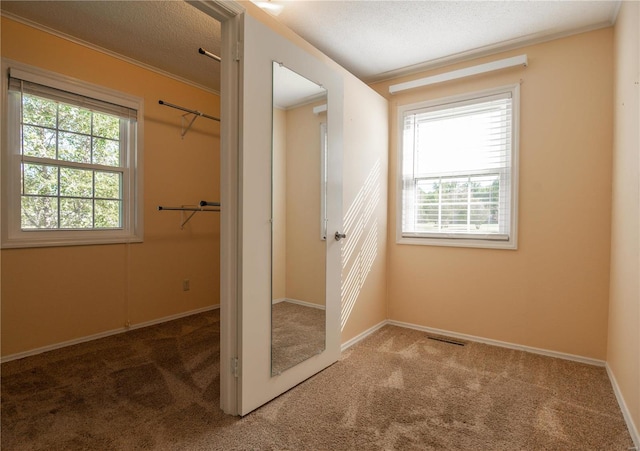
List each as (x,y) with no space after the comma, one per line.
(298,226)
(286,229)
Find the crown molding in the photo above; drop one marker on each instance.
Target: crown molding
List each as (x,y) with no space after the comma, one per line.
(512,44)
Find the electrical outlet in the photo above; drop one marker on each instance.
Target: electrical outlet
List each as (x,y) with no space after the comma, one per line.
(186,286)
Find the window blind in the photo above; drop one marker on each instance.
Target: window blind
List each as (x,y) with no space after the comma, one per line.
(59,95)
(456,169)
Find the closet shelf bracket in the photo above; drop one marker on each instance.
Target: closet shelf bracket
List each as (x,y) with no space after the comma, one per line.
(184,119)
(193,209)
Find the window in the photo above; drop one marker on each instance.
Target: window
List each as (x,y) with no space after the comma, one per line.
(458,171)
(71,162)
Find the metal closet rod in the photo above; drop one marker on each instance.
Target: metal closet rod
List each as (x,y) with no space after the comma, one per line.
(209,54)
(188,110)
(162,208)
(193,210)
(203,203)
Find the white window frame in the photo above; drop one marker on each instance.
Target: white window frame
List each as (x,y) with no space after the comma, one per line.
(13,236)
(499,241)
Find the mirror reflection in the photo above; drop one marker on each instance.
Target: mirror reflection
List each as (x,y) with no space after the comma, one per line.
(298,235)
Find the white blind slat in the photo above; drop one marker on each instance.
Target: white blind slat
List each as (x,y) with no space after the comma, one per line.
(456,163)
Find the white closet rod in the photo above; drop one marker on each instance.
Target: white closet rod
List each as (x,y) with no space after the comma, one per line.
(209,54)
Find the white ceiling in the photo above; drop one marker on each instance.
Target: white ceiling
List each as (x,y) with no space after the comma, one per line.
(372,39)
(291,89)
(378,39)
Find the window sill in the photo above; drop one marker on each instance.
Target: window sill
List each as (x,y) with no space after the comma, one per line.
(59,242)
(460,242)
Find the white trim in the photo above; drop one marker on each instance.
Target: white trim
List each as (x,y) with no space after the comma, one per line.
(469,55)
(476,339)
(63,82)
(361,336)
(501,344)
(230,14)
(132,170)
(164,319)
(616,11)
(108,333)
(105,51)
(221,10)
(320,109)
(633,431)
(520,60)
(296,301)
(512,242)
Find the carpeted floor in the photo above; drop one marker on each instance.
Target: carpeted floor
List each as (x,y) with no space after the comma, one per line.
(158,388)
(297,333)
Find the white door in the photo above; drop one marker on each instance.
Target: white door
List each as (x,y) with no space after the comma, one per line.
(258,381)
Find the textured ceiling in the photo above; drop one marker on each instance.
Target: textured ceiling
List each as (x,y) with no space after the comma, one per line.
(372,39)
(375,39)
(162,34)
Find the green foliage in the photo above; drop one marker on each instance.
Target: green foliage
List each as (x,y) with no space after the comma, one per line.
(39,142)
(62,197)
(108,185)
(39,212)
(76,182)
(39,111)
(76,213)
(74,147)
(40,179)
(107,213)
(457,203)
(106,152)
(106,126)
(74,119)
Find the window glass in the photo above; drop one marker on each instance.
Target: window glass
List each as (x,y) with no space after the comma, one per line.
(457,158)
(70,177)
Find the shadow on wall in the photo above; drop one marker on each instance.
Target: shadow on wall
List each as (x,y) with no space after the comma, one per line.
(360,249)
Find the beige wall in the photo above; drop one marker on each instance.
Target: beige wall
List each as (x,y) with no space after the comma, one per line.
(298,253)
(551,293)
(623,353)
(52,295)
(365,142)
(279,181)
(306,252)
(364,203)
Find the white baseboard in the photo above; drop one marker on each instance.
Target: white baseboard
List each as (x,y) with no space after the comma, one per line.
(297,301)
(633,431)
(347,344)
(502,344)
(108,333)
(488,341)
(164,319)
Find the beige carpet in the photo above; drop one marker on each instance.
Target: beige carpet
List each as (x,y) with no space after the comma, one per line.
(297,333)
(157,388)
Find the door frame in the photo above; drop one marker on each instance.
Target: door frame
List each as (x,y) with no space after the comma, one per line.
(234,399)
(229,13)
